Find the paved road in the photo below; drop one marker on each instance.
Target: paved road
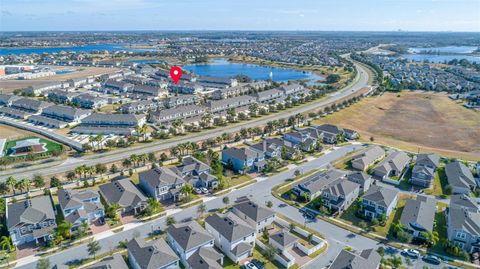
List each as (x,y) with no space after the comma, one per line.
(56,167)
(337,237)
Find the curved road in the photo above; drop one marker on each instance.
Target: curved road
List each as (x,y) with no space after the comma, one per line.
(51,168)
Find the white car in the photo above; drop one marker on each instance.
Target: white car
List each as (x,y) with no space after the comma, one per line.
(204,190)
(412,253)
(197,190)
(249,265)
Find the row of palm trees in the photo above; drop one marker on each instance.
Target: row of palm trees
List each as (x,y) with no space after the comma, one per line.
(24,184)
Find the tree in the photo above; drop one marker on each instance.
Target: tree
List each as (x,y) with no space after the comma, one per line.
(153,206)
(381,251)
(170,220)
(201,209)
(396,261)
(6,243)
(309,238)
(297,173)
(269,252)
(55,182)
(113,169)
(362,224)
(64,229)
(226,200)
(93,247)
(186,190)
(100,168)
(253,108)
(332,78)
(43,263)
(269,204)
(291,226)
(11,183)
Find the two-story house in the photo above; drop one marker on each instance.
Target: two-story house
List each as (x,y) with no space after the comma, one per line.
(254,214)
(233,236)
(379,201)
(424,170)
(197,173)
(339,195)
(460,178)
(392,166)
(366,259)
(313,185)
(367,158)
(161,183)
(155,254)
(123,192)
(31,220)
(418,215)
(240,159)
(79,206)
(186,239)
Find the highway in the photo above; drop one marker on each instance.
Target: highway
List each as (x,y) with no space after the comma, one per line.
(337,238)
(52,168)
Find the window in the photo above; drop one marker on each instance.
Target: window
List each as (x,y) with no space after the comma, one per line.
(461,235)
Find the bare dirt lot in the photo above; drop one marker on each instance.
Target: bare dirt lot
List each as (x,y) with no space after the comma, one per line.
(415,121)
(9,132)
(7,86)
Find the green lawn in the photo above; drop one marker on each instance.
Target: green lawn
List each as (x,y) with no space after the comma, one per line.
(237,180)
(439,183)
(441,228)
(51,146)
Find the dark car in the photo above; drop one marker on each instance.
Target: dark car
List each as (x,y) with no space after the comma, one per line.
(282,205)
(258,264)
(432,259)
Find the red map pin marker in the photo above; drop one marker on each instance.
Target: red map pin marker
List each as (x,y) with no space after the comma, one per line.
(176,74)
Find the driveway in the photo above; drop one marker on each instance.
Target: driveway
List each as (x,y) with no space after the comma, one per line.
(96,227)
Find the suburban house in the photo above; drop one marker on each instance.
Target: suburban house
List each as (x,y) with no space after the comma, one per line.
(79,206)
(367,158)
(233,236)
(118,124)
(340,194)
(463,228)
(379,201)
(464,201)
(267,148)
(196,173)
(460,178)
(361,178)
(330,132)
(166,116)
(283,241)
(315,184)
(302,139)
(291,150)
(181,100)
(424,170)
(268,96)
(124,193)
(418,215)
(254,214)
(207,258)
(31,220)
(86,100)
(139,107)
(243,158)
(367,259)
(155,254)
(8,99)
(392,166)
(115,261)
(187,239)
(161,183)
(216,106)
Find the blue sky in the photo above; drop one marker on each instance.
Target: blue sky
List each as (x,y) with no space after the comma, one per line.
(325,15)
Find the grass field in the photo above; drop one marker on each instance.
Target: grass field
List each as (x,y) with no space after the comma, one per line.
(8,132)
(414,121)
(51,146)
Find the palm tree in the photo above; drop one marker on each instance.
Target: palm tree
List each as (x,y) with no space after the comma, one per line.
(142,130)
(186,190)
(127,163)
(93,248)
(201,209)
(64,229)
(135,159)
(80,170)
(153,205)
(11,183)
(91,139)
(6,243)
(26,183)
(99,139)
(253,108)
(207,119)
(170,220)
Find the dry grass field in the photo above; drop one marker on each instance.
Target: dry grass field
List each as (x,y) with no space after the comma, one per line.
(7,86)
(415,121)
(8,132)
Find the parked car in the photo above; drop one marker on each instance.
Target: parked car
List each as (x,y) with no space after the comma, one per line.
(258,264)
(249,265)
(204,190)
(432,259)
(413,253)
(197,190)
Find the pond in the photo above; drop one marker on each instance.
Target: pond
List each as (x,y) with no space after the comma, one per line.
(221,67)
(448,49)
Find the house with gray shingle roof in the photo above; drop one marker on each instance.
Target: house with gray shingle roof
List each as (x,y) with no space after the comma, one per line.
(424,170)
(368,157)
(379,201)
(31,220)
(361,178)
(187,239)
(367,259)
(240,158)
(392,166)
(115,261)
(464,201)
(80,206)
(233,236)
(196,173)
(418,215)
(124,193)
(205,258)
(340,194)
(155,254)
(282,240)
(161,183)
(258,216)
(460,178)
(315,184)
(463,228)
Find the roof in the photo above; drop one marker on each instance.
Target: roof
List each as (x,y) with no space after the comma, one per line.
(381,195)
(397,161)
(283,238)
(241,248)
(31,211)
(160,176)
(368,156)
(428,159)
(329,128)
(230,226)
(241,153)
(419,213)
(123,192)
(190,164)
(113,118)
(367,259)
(115,261)
(320,180)
(152,254)
(253,210)
(463,201)
(341,187)
(189,235)
(459,175)
(358,177)
(64,110)
(463,219)
(205,258)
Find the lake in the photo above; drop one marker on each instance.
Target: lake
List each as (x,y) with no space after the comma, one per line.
(439,58)
(448,49)
(221,67)
(85,48)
